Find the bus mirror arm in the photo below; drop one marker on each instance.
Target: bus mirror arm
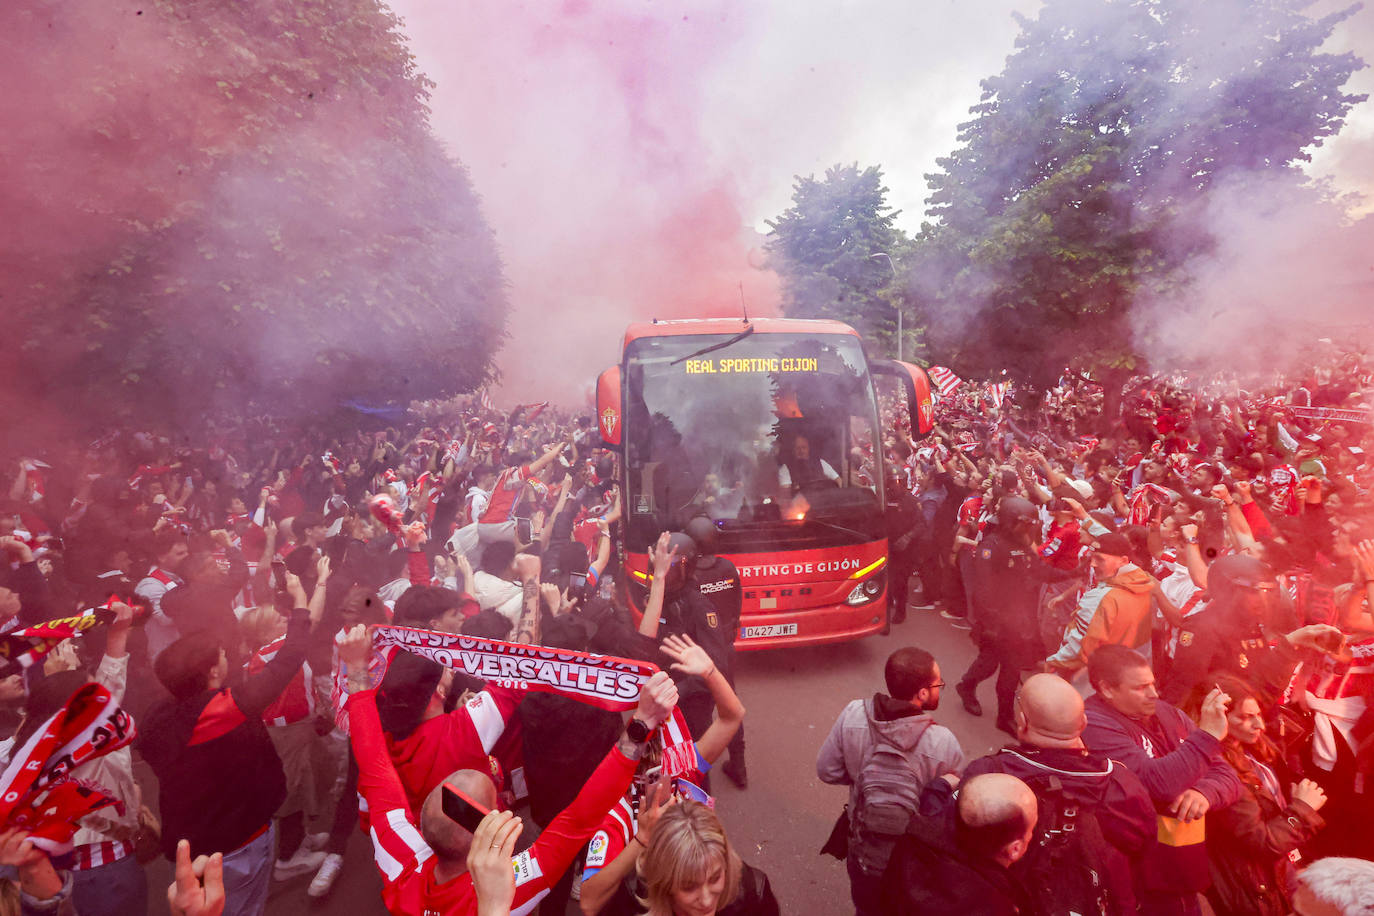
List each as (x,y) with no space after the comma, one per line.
(917,389)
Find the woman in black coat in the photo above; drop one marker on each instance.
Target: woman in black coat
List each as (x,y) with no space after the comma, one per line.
(1254,843)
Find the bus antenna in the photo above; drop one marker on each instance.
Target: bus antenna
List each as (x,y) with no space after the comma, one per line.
(743,307)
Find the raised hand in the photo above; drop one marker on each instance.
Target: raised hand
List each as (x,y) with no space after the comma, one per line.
(489,862)
(688,657)
(197,888)
(657,699)
(662,555)
(1212,716)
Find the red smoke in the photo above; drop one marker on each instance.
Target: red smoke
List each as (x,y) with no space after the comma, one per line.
(587,131)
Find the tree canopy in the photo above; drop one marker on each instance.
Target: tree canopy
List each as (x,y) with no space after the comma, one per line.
(210,202)
(836,249)
(1078,186)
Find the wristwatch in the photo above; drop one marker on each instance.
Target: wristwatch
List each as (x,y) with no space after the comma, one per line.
(638,731)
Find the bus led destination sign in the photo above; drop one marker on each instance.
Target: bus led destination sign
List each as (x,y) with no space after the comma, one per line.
(748,365)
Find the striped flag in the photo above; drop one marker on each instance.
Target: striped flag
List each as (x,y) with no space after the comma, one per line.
(998,392)
(945,381)
(484,400)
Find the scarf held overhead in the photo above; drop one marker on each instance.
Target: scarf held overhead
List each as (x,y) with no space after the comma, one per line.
(600,680)
(37,792)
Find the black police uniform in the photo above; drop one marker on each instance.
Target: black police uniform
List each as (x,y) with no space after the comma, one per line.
(1005,581)
(706,608)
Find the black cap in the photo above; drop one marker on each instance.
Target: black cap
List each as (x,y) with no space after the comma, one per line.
(1113,543)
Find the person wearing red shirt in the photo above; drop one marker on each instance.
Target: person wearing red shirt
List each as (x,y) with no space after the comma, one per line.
(424,859)
(497,523)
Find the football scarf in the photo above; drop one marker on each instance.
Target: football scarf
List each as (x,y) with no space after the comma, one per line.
(603,681)
(37,793)
(22,647)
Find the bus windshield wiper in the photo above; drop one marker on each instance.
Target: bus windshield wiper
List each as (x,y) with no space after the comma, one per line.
(714,347)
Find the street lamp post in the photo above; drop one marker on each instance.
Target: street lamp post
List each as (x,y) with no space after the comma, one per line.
(888,258)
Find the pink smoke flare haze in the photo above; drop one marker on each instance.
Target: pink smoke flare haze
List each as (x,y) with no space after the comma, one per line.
(583,126)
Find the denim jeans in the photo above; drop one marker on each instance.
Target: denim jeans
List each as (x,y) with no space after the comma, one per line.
(248,875)
(111,890)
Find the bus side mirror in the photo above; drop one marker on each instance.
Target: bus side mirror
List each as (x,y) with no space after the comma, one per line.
(608,418)
(916,383)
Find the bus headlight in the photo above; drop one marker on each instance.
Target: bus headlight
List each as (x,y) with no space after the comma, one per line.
(868,590)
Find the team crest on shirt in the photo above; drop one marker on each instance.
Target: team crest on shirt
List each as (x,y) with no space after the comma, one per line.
(987,553)
(1185,638)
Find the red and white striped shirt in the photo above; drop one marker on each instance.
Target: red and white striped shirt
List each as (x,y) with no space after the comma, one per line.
(406,861)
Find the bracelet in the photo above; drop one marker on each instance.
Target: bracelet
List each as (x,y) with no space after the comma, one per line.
(636,839)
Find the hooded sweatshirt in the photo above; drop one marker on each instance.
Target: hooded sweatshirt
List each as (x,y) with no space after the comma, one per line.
(932,748)
(1120,615)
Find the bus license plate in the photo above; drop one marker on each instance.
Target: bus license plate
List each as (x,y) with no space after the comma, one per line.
(772,629)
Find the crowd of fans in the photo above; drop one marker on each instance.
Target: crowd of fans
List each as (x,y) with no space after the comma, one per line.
(1187,586)
(1189,589)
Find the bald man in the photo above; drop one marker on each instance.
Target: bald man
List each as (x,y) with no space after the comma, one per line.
(958,856)
(1107,806)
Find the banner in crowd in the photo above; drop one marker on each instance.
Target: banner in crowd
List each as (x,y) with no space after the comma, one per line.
(24,646)
(1333,413)
(600,680)
(37,793)
(945,380)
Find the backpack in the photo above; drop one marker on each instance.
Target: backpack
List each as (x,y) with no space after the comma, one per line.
(888,796)
(1065,870)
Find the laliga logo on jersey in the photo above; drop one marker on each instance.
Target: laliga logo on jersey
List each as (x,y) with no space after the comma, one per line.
(608,421)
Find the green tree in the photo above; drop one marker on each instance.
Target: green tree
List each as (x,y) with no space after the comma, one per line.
(214,202)
(838,252)
(1077,189)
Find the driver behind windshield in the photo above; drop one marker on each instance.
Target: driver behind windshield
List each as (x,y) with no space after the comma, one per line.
(802,469)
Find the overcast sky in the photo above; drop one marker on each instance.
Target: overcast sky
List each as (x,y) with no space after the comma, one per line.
(628,152)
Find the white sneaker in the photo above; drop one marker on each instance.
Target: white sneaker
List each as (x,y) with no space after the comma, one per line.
(324,879)
(302,863)
(316,840)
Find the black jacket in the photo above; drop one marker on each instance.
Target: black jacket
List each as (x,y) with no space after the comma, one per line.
(930,874)
(1115,796)
(219,776)
(1248,843)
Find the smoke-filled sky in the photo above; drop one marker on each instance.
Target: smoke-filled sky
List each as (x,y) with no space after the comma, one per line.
(628,151)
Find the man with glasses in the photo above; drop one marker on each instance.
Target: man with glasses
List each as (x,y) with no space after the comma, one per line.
(886,748)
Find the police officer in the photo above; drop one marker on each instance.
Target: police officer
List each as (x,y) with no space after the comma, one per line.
(1004,579)
(718,592)
(903,521)
(1247,628)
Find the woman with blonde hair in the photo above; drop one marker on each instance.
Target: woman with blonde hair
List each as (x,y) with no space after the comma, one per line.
(690,869)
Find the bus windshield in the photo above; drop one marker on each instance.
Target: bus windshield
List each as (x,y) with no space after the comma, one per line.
(773,436)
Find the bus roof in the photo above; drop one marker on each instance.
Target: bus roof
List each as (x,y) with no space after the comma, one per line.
(681,326)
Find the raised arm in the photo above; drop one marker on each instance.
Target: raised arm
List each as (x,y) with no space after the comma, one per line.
(662,559)
(527,627)
(691,659)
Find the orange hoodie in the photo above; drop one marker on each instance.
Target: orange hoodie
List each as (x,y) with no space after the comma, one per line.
(1123,618)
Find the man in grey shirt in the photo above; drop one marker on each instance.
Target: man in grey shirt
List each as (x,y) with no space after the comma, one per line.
(886,749)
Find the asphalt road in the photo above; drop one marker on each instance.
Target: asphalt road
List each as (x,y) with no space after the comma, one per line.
(780,822)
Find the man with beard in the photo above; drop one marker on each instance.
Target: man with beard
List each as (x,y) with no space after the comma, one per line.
(886,749)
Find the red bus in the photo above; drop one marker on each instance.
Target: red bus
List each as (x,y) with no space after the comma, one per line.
(770,427)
